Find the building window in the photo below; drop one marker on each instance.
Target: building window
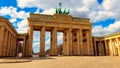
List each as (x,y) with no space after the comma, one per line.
(84,40)
(74,34)
(83,34)
(65,39)
(75,40)
(51,39)
(65,33)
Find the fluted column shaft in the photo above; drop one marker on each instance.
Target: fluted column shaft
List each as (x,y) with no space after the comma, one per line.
(5,43)
(65,43)
(8,45)
(53,47)
(81,41)
(111,48)
(42,42)
(2,32)
(106,47)
(30,41)
(24,42)
(70,41)
(117,42)
(88,43)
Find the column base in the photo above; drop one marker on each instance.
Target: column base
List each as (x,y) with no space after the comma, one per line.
(42,55)
(53,55)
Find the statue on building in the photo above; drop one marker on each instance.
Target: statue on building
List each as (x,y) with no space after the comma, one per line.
(60,11)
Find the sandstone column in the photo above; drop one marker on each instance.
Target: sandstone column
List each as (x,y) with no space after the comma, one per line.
(53,47)
(26,47)
(110,47)
(65,43)
(70,41)
(24,42)
(113,47)
(14,46)
(76,38)
(2,32)
(88,42)
(106,47)
(95,50)
(81,41)
(11,48)
(78,42)
(5,43)
(30,40)
(117,43)
(42,42)
(8,45)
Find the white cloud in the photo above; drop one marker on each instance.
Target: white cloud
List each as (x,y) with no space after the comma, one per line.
(100,15)
(13,20)
(79,8)
(12,11)
(14,14)
(102,31)
(50,12)
(22,26)
(37,3)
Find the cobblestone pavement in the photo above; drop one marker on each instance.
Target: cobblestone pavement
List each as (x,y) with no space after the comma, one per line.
(65,62)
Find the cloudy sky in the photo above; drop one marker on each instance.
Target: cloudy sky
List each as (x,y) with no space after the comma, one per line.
(104,14)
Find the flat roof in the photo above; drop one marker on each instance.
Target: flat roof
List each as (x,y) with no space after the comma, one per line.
(117,33)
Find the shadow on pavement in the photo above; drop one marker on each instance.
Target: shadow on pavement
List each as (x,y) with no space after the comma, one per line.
(43,58)
(15,60)
(23,60)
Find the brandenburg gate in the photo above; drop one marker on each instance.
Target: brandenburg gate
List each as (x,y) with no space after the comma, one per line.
(77,33)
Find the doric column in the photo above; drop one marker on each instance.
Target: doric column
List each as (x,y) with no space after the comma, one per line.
(117,41)
(75,42)
(5,43)
(26,47)
(24,42)
(88,42)
(65,43)
(106,47)
(10,50)
(13,46)
(15,49)
(78,42)
(2,33)
(53,46)
(110,47)
(42,42)
(8,45)
(95,50)
(70,41)
(113,46)
(81,40)
(30,40)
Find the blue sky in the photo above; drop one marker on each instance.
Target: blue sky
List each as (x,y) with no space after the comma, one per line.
(102,13)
